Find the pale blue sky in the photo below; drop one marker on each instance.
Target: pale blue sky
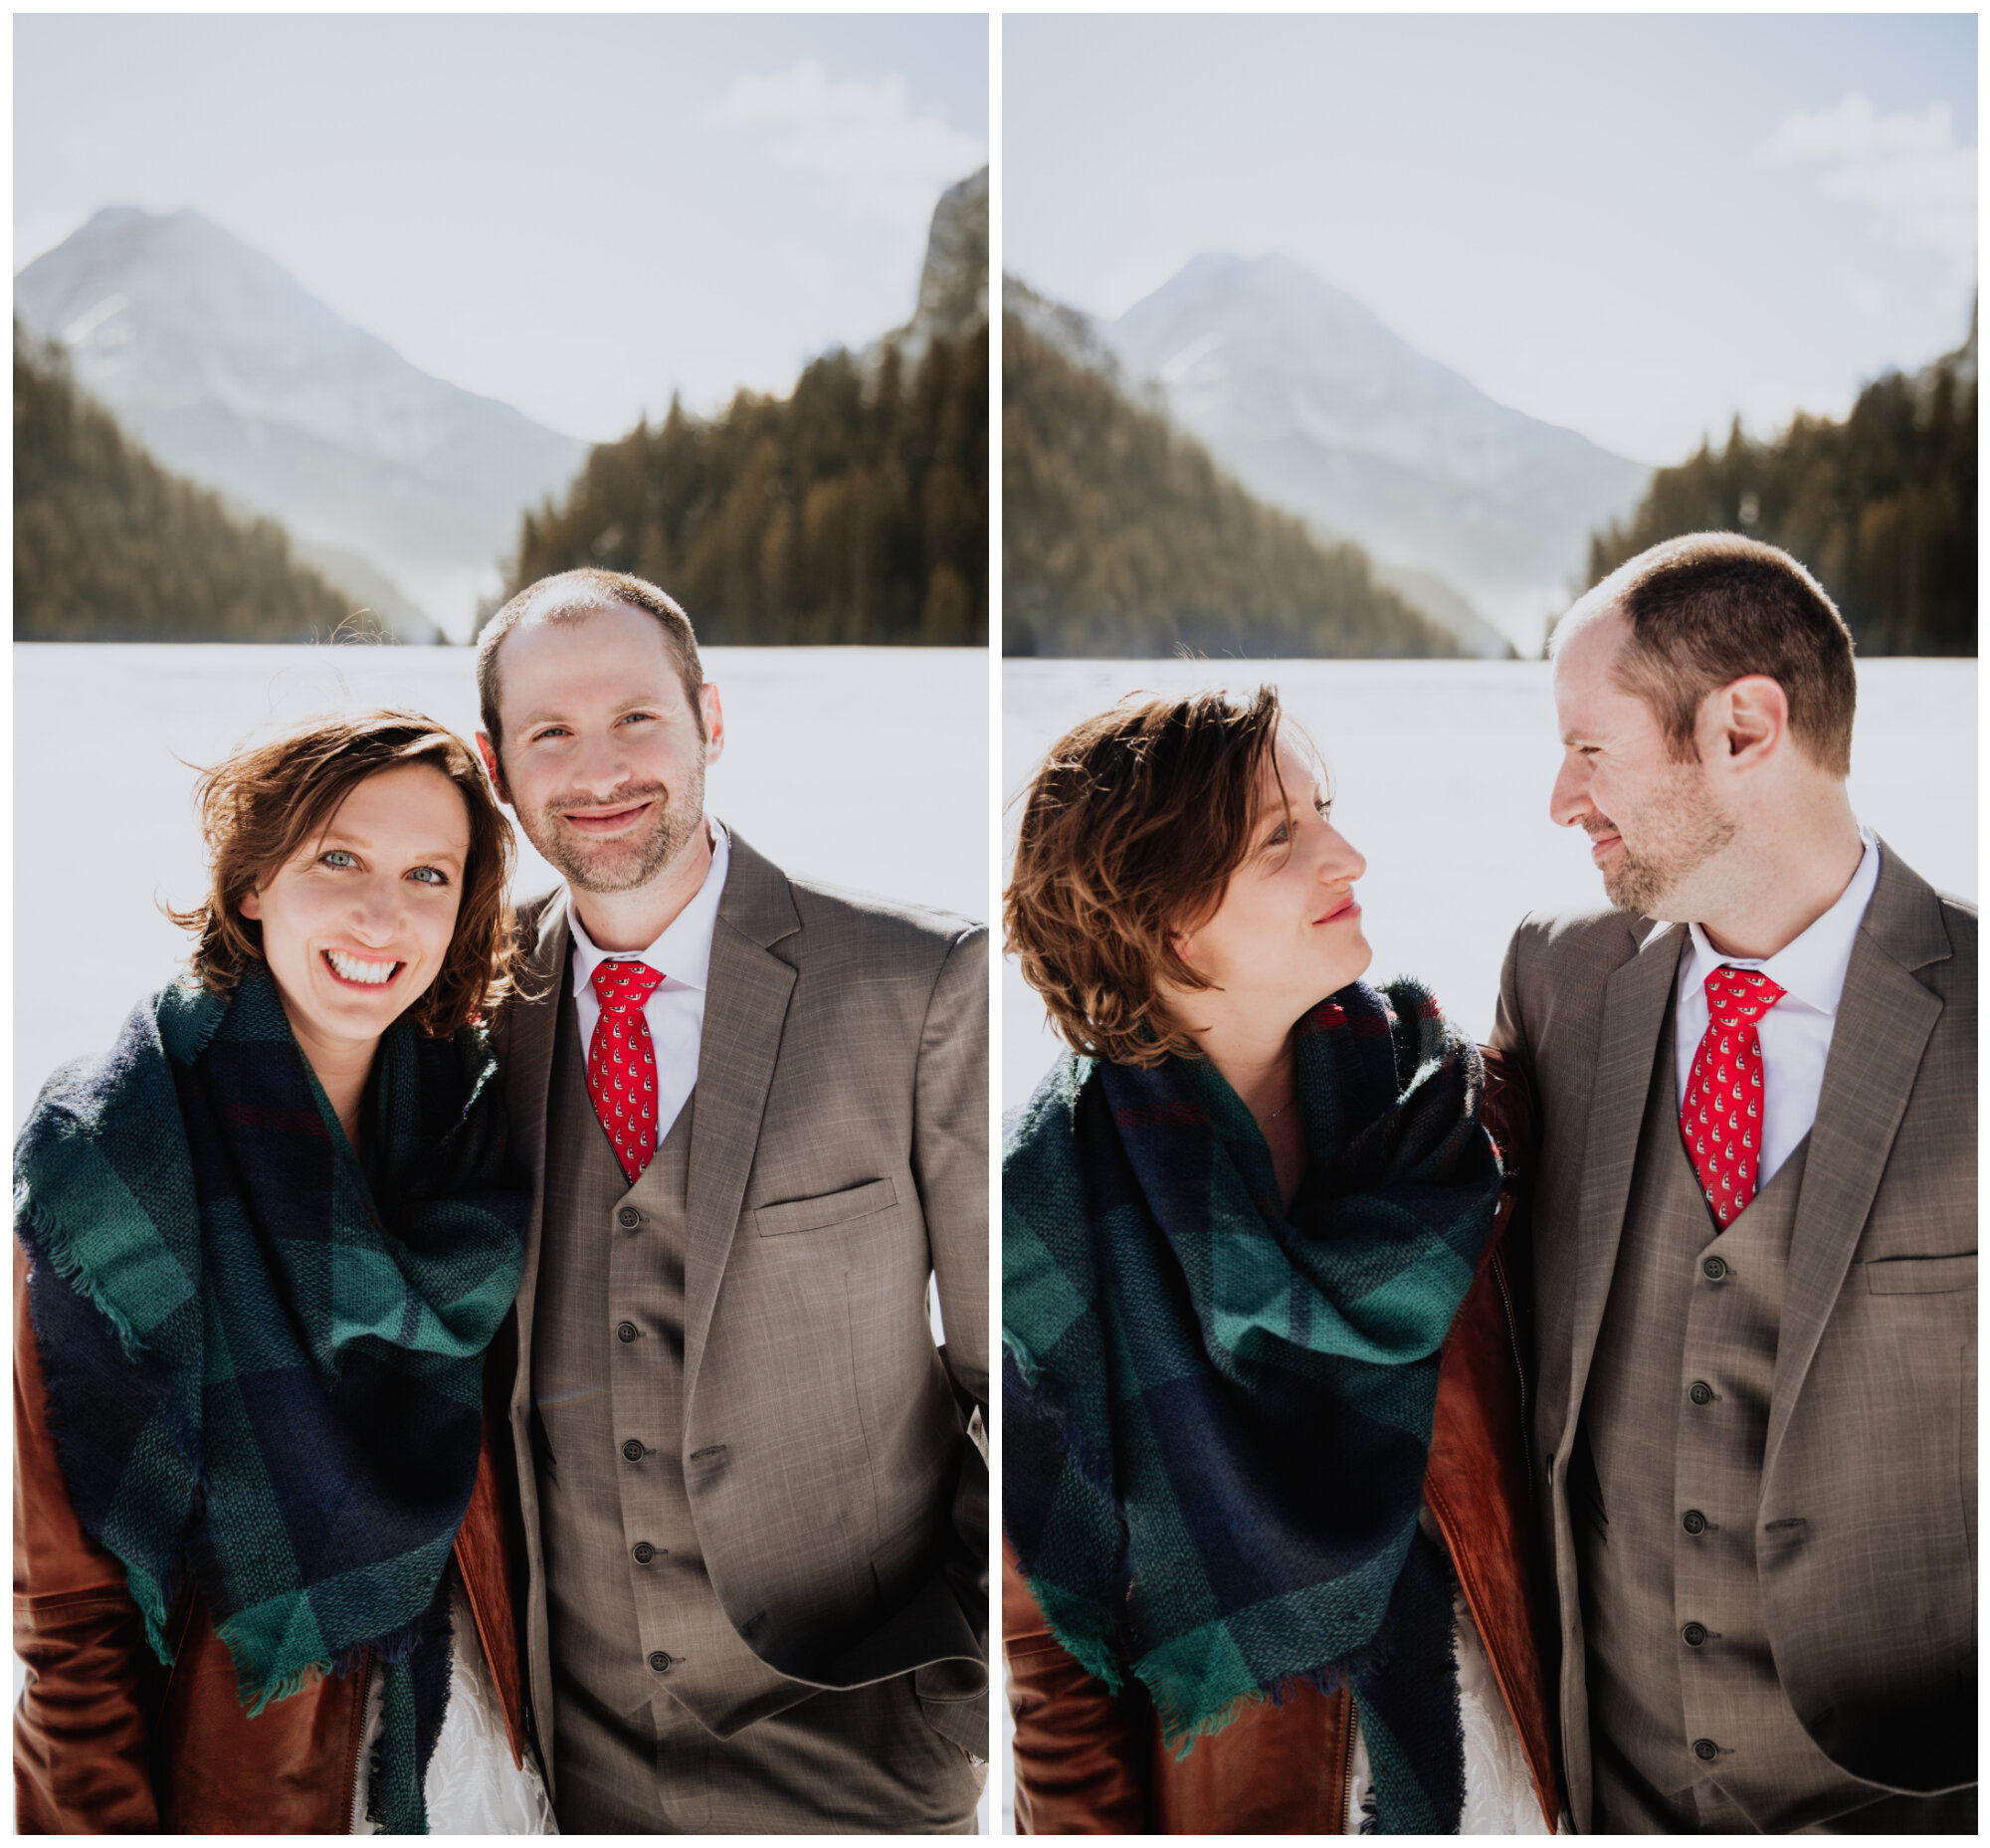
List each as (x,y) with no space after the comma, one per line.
(1635,225)
(575,215)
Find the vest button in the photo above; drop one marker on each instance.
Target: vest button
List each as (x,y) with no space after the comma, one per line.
(662,1664)
(633,1450)
(629,1216)
(1705,1751)
(626,1332)
(1694,1635)
(1694,1521)
(1716,1269)
(644,1553)
(1700,1392)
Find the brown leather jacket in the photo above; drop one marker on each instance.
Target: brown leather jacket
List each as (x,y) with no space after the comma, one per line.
(108,1741)
(1093,1763)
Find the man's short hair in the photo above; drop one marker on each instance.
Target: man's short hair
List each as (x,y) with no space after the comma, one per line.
(1130,831)
(569,596)
(1711,607)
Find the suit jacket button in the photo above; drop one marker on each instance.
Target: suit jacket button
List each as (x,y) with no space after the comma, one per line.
(660,1662)
(1694,1521)
(633,1450)
(644,1553)
(1705,1751)
(1700,1392)
(629,1216)
(1694,1635)
(626,1332)
(1716,1269)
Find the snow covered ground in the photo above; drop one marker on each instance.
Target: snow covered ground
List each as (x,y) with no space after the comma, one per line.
(864,766)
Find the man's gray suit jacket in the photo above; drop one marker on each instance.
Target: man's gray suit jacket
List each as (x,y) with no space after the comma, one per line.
(839,1146)
(1865,1537)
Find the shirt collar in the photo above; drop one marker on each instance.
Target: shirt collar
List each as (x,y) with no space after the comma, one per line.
(1811,967)
(682,954)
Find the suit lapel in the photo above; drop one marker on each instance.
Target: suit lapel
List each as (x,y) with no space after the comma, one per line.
(1885,1018)
(745,1008)
(1627,1042)
(529,1055)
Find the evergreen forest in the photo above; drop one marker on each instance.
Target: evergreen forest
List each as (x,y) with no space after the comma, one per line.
(1881,506)
(109,547)
(1123,537)
(855,510)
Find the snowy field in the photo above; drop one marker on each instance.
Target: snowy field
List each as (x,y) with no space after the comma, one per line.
(1441,776)
(864,766)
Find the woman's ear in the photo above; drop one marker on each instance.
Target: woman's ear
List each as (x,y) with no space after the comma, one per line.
(250,906)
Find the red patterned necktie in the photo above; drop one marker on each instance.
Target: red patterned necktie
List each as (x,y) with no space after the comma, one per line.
(622,1064)
(1722,1118)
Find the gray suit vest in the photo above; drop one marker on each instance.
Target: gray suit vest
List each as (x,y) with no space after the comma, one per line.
(632,1612)
(1688,1719)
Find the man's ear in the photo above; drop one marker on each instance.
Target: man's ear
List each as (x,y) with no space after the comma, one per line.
(1753,718)
(714,723)
(489,752)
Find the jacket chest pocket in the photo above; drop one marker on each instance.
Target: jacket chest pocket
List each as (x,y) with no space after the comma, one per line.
(826,1209)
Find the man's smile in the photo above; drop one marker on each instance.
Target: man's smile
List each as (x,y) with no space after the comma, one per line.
(605,821)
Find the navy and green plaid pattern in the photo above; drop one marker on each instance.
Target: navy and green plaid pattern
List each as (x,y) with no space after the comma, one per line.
(1219,1413)
(265,1363)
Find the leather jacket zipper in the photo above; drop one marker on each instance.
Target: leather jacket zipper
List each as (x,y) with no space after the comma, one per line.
(1348,1763)
(353,1780)
(1520,1367)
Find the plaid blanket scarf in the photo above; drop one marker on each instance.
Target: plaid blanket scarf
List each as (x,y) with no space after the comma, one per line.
(258,1369)
(1219,1413)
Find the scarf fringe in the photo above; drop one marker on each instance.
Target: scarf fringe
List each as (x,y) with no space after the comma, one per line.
(394,1647)
(55,1242)
(1179,1733)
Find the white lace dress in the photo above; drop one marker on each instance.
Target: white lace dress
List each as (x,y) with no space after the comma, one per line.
(1500,1795)
(472,1786)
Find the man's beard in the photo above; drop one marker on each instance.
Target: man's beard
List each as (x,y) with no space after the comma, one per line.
(604,867)
(1690,833)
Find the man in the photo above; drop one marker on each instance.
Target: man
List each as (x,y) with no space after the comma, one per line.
(755,1509)
(1755,1222)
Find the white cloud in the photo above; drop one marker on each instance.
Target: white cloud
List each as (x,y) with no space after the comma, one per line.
(1904,170)
(860,138)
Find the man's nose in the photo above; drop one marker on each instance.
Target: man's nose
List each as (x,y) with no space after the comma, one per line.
(1568,800)
(603,765)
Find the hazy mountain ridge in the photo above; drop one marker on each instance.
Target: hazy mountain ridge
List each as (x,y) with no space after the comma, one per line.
(109,547)
(1121,536)
(1316,406)
(1081,341)
(230,371)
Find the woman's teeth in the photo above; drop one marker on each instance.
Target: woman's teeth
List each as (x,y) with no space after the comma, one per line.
(357,969)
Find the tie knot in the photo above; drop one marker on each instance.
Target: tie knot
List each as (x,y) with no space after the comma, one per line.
(622,985)
(1741,994)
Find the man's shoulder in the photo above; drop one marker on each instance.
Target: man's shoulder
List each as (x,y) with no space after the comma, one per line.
(886,934)
(1553,942)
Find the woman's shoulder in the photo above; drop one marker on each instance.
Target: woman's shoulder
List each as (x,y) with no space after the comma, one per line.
(1044,1127)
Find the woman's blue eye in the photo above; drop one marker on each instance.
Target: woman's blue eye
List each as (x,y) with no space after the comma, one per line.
(429,875)
(337,855)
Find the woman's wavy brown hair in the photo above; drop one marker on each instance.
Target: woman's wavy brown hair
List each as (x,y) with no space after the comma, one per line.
(268,802)
(1130,831)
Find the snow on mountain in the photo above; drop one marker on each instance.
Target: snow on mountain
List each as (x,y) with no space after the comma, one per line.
(230,371)
(1316,406)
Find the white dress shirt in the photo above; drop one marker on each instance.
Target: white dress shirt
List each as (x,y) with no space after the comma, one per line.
(674,1010)
(1796,1032)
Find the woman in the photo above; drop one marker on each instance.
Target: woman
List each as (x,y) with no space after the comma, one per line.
(264,1244)
(1268,1565)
